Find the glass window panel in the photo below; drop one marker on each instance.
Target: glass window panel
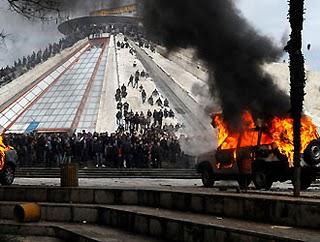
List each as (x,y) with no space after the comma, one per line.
(69,111)
(88,118)
(51,118)
(23,102)
(61,69)
(29,96)
(52,99)
(49,79)
(50,125)
(41,125)
(55,74)
(43,111)
(3,121)
(36,91)
(45,118)
(56,112)
(60,106)
(43,85)
(16,108)
(36,112)
(91,111)
(10,114)
(58,118)
(30,112)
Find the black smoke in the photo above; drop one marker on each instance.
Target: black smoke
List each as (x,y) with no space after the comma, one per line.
(232,49)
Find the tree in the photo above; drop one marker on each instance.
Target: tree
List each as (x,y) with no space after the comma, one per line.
(32,9)
(297,81)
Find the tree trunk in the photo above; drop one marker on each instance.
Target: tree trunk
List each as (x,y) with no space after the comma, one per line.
(297,82)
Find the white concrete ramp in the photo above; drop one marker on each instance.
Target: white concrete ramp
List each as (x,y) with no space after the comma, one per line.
(106,117)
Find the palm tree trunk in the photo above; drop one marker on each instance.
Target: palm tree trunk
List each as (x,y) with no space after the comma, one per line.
(297,82)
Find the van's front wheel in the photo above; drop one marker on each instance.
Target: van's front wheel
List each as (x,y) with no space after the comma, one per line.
(207,178)
(7,176)
(262,181)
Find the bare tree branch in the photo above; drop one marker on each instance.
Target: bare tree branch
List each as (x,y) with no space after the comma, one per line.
(37,9)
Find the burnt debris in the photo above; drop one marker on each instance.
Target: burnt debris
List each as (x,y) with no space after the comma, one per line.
(232,49)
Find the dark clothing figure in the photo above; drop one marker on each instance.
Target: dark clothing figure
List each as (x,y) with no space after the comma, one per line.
(143,96)
(126,106)
(124,94)
(136,82)
(143,74)
(160,118)
(166,113)
(150,100)
(166,103)
(127,120)
(171,114)
(117,97)
(159,102)
(136,121)
(119,106)
(123,88)
(97,149)
(155,117)
(155,93)
(119,117)
(131,78)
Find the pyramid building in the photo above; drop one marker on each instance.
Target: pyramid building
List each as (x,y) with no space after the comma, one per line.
(75,89)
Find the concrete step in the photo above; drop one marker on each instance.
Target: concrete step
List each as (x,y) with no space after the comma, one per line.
(262,208)
(72,232)
(168,224)
(184,226)
(110,173)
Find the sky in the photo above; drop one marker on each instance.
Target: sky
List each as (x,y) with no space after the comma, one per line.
(268,16)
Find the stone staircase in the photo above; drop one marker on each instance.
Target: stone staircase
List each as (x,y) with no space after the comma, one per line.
(168,214)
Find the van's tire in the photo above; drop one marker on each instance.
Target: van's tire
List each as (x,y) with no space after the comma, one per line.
(207,178)
(261,180)
(244,182)
(8,175)
(311,154)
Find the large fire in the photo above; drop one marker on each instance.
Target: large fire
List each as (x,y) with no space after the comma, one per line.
(3,149)
(278,131)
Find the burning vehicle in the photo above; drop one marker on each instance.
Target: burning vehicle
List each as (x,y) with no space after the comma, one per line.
(262,152)
(8,160)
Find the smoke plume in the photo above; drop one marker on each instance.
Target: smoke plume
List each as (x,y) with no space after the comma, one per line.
(231,48)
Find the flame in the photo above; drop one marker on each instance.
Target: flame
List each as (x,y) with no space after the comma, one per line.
(3,149)
(278,131)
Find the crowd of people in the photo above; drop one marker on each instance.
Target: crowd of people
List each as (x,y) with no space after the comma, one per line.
(134,121)
(142,140)
(118,150)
